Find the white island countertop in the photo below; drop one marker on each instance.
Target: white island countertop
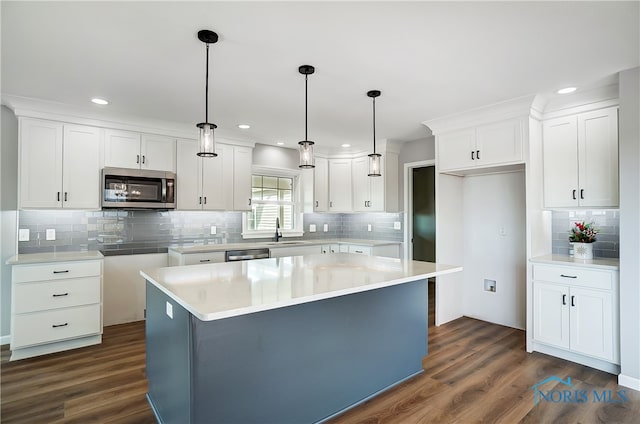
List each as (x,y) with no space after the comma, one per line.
(217,291)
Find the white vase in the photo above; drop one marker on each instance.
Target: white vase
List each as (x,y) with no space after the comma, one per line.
(583,250)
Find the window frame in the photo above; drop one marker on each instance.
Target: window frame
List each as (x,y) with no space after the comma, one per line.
(298,214)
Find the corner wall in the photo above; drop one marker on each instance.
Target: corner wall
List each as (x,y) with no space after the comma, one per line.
(413,151)
(629,150)
(8,213)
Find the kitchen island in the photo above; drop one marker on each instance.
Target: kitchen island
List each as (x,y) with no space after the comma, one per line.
(284,340)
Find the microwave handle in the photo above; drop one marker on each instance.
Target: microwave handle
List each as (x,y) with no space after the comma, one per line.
(164,190)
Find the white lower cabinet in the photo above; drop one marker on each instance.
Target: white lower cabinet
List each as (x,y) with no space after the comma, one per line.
(280,252)
(576,309)
(330,248)
(55,307)
(200,258)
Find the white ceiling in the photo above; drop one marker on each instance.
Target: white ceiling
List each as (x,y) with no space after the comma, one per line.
(429,59)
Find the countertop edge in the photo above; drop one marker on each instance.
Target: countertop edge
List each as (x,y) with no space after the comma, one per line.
(233,246)
(568,261)
(298,301)
(41,258)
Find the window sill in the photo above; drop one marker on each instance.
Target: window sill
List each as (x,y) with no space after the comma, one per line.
(271,234)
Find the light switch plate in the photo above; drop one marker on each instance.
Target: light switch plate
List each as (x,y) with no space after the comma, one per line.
(312,228)
(326,227)
(169,310)
(396,225)
(51,234)
(23,234)
(214,230)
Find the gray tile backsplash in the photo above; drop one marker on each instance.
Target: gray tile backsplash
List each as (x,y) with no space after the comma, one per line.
(129,232)
(607,243)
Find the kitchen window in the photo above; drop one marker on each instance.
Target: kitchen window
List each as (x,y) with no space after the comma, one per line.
(273,195)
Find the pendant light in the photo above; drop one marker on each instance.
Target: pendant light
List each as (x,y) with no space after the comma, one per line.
(206,140)
(306,147)
(374,158)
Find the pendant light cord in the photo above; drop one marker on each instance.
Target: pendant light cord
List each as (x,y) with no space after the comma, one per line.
(306,78)
(206,90)
(374,125)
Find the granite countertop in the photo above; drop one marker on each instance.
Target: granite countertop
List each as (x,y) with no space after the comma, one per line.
(34,258)
(204,248)
(598,263)
(224,290)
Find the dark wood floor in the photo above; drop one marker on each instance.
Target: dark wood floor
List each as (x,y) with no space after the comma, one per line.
(475,372)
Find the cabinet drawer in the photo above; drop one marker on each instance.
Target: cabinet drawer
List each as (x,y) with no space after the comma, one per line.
(56,271)
(58,324)
(44,295)
(592,278)
(203,258)
(361,250)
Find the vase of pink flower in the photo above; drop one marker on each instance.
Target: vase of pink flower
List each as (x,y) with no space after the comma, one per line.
(582,237)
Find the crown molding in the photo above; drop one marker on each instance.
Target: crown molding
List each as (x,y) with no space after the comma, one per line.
(515,108)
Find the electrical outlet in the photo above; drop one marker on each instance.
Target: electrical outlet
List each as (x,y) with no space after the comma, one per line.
(51,234)
(396,225)
(312,228)
(326,227)
(214,230)
(169,310)
(23,234)
(368,227)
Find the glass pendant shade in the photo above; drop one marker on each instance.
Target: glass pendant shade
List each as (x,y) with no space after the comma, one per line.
(307,159)
(206,140)
(374,165)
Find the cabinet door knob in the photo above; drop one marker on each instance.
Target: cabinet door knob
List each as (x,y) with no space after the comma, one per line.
(316,203)
(58,196)
(137,158)
(330,204)
(205,200)
(564,299)
(143,158)
(573,301)
(66,196)
(477,154)
(574,194)
(582,193)
(249,202)
(473,153)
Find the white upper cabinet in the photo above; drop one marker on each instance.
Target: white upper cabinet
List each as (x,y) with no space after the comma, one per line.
(124,149)
(368,192)
(340,188)
(321,185)
(158,153)
(59,165)
(580,155)
(484,146)
(242,162)
(208,183)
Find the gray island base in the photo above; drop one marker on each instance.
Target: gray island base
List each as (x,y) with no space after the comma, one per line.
(303,356)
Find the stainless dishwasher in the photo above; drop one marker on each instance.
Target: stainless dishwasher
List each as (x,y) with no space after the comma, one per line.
(246,254)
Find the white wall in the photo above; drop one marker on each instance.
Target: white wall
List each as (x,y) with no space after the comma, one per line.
(275,157)
(629,150)
(413,151)
(494,248)
(8,214)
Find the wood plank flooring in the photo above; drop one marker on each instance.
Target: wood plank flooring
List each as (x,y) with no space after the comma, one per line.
(475,372)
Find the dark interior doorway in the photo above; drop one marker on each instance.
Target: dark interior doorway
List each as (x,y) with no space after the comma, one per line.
(424,224)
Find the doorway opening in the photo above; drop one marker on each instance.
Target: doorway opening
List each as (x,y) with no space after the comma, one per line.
(420,223)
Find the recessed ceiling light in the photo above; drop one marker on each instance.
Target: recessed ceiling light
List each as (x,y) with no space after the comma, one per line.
(280,143)
(244,126)
(567,90)
(346,145)
(99,101)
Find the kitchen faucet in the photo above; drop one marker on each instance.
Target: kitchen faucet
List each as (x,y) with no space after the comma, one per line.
(278,232)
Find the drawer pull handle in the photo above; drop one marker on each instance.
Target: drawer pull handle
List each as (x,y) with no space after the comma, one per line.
(568,276)
(60,295)
(61,272)
(59,325)
(205,260)
(359,251)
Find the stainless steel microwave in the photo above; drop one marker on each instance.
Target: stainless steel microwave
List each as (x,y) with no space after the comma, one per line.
(125,188)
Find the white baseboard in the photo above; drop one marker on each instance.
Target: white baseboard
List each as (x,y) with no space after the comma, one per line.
(5,340)
(630,382)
